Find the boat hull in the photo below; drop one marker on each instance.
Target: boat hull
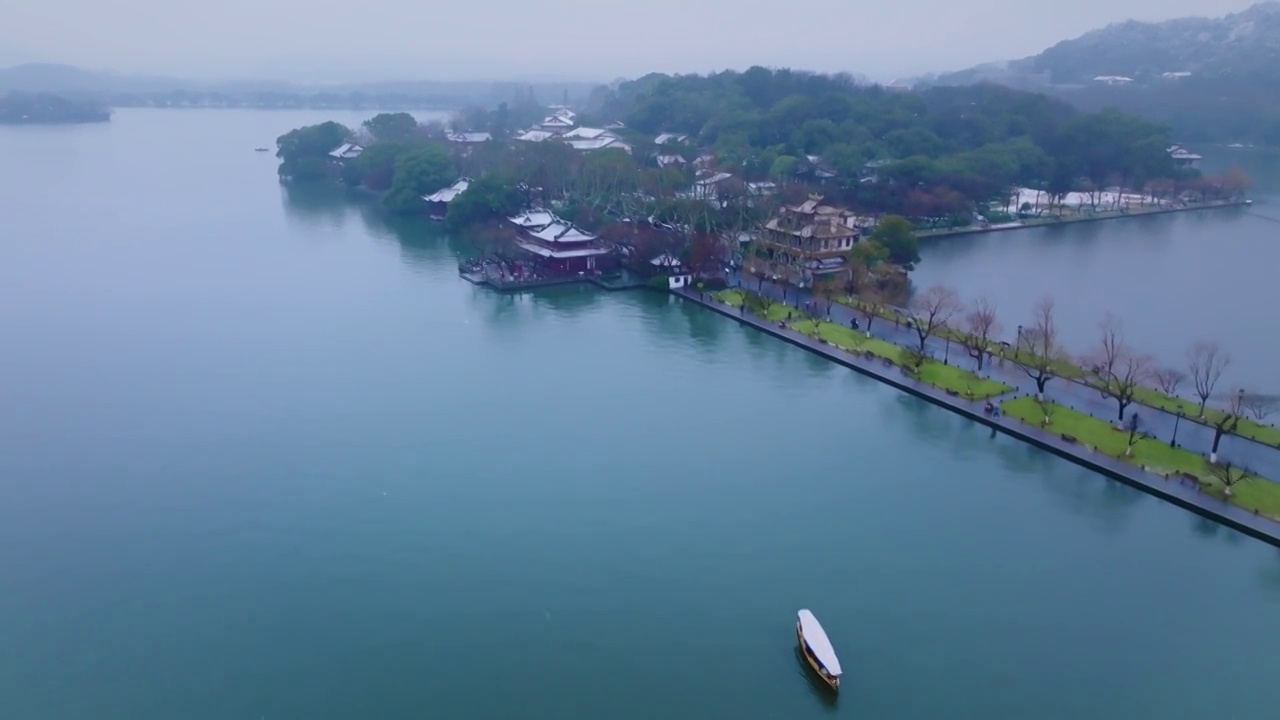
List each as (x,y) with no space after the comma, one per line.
(832,681)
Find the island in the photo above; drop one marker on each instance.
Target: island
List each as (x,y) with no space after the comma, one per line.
(18,108)
(795,202)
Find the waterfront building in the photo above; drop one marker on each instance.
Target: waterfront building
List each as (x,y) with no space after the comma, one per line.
(346,151)
(807,242)
(1184,158)
(438,202)
(560,248)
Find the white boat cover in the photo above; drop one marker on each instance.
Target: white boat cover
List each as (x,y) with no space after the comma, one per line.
(816,638)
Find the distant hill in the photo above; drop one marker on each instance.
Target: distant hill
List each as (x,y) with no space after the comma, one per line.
(1241,44)
(1211,79)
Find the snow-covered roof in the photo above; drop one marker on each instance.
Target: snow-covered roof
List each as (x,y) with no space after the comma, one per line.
(562,233)
(666,260)
(470,137)
(599,143)
(346,151)
(665,160)
(670,138)
(717,178)
(587,133)
(535,136)
(446,195)
(556,121)
(534,219)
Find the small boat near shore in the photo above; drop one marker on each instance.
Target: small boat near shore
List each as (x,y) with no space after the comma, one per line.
(817,650)
(261,149)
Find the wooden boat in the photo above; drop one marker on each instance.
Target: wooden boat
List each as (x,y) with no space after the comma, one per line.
(261,149)
(817,649)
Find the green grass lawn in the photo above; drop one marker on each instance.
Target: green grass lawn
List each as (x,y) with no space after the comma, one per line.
(944,377)
(1257,494)
(730,297)
(959,380)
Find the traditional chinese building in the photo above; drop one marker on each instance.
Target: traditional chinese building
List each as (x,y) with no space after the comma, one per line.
(560,248)
(807,242)
(438,201)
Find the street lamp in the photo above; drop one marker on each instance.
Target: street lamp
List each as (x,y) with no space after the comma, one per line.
(1017,348)
(1173,441)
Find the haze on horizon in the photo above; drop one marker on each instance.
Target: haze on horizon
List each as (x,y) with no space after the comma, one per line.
(328,40)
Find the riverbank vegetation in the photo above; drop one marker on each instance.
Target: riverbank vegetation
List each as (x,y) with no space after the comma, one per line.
(1128,439)
(1235,484)
(942,375)
(935,157)
(1113,368)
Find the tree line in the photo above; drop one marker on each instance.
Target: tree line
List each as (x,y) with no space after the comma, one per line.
(973,141)
(939,153)
(1112,367)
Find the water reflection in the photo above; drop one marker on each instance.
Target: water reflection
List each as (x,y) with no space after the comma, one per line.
(423,245)
(1269,575)
(818,689)
(706,328)
(316,205)
(1204,527)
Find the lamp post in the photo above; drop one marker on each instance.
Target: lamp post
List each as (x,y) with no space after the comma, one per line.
(1173,441)
(1017,349)
(946,355)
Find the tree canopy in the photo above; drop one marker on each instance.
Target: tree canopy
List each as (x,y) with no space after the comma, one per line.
(391,126)
(492,196)
(304,152)
(895,235)
(975,140)
(420,171)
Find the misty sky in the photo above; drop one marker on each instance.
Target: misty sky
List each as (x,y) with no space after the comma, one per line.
(310,40)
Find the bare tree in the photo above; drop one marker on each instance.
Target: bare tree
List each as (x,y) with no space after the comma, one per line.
(1168,380)
(980,326)
(1261,406)
(1230,476)
(1206,361)
(1232,412)
(1040,353)
(911,358)
(1118,371)
(871,302)
(930,312)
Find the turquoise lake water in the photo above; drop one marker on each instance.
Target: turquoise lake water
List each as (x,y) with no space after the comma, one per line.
(263,455)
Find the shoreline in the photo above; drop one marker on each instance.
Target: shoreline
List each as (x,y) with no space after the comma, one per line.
(1096,217)
(1169,489)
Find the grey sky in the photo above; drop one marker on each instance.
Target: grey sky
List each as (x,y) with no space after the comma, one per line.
(574,39)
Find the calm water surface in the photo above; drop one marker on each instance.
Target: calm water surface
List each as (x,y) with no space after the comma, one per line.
(1173,279)
(264,455)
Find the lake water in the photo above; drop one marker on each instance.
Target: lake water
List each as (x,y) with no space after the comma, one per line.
(1173,279)
(264,456)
